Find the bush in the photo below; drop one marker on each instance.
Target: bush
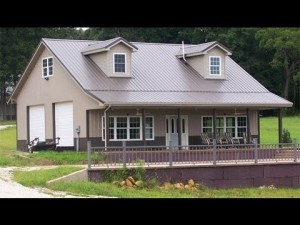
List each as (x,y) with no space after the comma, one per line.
(286,136)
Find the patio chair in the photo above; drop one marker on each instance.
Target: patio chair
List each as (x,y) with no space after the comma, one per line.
(205,139)
(230,139)
(245,139)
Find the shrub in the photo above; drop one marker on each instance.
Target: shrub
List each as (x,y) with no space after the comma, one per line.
(286,136)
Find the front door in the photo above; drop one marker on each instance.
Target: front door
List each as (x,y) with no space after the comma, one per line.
(172,130)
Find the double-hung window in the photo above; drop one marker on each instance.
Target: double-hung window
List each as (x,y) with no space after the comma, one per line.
(215,65)
(47,65)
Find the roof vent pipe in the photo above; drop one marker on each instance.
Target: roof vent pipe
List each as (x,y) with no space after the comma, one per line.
(183,52)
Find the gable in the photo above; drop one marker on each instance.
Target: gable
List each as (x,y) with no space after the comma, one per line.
(201,63)
(105,59)
(58,88)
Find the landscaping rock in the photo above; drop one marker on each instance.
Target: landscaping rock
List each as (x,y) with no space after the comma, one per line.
(128,183)
(131,180)
(191,183)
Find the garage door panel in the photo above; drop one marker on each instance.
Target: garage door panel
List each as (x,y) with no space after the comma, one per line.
(37,122)
(64,123)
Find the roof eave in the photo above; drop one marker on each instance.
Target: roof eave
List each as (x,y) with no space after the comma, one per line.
(254,105)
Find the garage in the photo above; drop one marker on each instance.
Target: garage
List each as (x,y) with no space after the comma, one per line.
(64,123)
(37,122)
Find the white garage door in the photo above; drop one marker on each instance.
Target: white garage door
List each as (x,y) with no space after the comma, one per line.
(64,123)
(37,122)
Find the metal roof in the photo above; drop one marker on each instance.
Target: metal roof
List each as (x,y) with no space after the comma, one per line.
(104,45)
(201,48)
(160,78)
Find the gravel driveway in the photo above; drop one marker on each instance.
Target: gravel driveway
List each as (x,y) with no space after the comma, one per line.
(12,189)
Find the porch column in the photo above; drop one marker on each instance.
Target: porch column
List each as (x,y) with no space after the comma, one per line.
(179,126)
(106,128)
(143,127)
(258,126)
(214,124)
(280,125)
(87,124)
(248,126)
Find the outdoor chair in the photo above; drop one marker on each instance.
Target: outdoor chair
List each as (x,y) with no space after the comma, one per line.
(245,139)
(230,139)
(205,139)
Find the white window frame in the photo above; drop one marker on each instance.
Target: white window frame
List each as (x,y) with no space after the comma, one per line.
(128,128)
(225,126)
(114,71)
(150,139)
(47,67)
(220,66)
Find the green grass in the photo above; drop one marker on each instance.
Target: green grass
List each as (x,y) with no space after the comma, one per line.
(40,177)
(61,158)
(269,128)
(8,139)
(7,122)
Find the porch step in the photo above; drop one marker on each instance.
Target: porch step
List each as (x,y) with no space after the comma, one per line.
(286,154)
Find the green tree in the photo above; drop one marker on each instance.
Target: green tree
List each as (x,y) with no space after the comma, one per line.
(284,44)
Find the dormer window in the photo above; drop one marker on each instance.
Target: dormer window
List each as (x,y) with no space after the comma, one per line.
(214,65)
(48,67)
(119,63)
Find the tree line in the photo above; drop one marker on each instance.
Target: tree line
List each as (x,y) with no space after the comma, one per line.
(270,55)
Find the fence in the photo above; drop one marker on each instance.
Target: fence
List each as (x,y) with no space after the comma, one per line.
(191,155)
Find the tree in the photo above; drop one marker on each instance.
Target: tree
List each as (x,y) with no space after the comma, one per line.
(284,44)
(17,46)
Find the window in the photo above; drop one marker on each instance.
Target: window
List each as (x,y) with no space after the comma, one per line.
(47,67)
(149,128)
(119,63)
(236,125)
(215,65)
(128,128)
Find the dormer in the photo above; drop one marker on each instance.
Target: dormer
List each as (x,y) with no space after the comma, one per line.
(207,59)
(113,56)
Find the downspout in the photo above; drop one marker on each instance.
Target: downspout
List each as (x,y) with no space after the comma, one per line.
(105,143)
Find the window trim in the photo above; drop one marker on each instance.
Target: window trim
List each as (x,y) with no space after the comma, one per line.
(220,66)
(127,128)
(224,124)
(47,58)
(114,71)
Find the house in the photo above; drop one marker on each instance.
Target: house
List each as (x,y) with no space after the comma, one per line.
(143,93)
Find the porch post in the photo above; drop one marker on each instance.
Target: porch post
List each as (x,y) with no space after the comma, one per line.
(258,126)
(248,126)
(280,125)
(106,129)
(179,126)
(214,124)
(143,127)
(87,124)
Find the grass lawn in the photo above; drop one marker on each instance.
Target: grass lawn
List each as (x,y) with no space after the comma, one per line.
(40,177)
(9,156)
(7,122)
(269,128)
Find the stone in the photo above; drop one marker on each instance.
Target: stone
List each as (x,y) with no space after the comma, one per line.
(123,183)
(131,180)
(128,183)
(191,183)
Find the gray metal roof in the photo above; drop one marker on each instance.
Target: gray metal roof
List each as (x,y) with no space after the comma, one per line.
(201,48)
(160,78)
(105,44)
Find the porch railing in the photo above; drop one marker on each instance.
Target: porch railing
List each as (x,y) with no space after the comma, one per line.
(191,155)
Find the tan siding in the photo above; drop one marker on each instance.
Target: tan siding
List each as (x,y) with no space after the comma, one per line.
(197,62)
(119,48)
(59,88)
(101,60)
(95,123)
(201,63)
(105,59)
